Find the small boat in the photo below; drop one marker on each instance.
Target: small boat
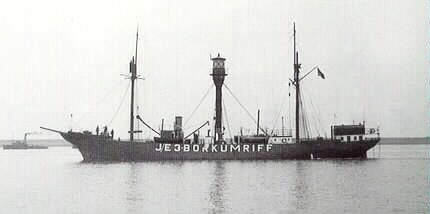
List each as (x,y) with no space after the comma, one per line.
(23,144)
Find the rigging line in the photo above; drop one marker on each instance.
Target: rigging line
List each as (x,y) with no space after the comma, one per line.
(289,108)
(308,119)
(276,119)
(138,108)
(249,114)
(92,108)
(319,121)
(313,117)
(226,119)
(190,126)
(136,123)
(306,125)
(317,116)
(307,116)
(301,118)
(237,100)
(304,117)
(119,107)
(312,113)
(201,101)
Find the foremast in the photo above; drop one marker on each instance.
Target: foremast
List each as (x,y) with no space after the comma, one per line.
(133,77)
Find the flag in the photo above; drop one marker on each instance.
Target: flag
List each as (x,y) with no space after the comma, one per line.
(320,73)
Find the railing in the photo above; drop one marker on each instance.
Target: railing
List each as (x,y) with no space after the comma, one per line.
(270,132)
(280,132)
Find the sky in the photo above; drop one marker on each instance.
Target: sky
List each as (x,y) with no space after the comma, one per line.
(62,58)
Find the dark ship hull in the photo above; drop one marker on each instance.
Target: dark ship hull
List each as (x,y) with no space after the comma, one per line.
(99,148)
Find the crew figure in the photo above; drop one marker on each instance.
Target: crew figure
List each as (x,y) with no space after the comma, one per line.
(111,134)
(105,131)
(97,130)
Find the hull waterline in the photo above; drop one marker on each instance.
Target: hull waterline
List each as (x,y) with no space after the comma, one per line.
(96,148)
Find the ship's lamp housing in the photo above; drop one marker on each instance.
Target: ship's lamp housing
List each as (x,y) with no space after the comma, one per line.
(218,70)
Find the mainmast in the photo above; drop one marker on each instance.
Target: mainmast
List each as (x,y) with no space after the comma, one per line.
(133,77)
(297,84)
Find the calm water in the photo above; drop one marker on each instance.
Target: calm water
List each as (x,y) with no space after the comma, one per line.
(55,181)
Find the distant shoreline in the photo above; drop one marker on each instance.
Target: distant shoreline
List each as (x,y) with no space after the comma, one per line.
(404,140)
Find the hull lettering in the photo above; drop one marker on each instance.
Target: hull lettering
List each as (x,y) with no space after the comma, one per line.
(212,148)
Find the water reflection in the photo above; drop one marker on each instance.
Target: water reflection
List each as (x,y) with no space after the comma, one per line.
(133,193)
(149,185)
(301,185)
(393,183)
(217,188)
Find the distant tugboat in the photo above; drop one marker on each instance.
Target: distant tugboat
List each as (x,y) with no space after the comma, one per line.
(23,144)
(346,141)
